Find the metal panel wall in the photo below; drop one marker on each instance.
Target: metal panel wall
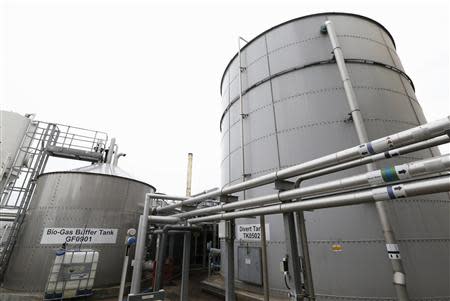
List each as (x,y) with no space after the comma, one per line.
(75,200)
(297,111)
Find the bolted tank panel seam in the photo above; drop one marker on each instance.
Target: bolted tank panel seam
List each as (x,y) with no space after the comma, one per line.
(319,91)
(250,42)
(315,124)
(351,61)
(323,123)
(308,40)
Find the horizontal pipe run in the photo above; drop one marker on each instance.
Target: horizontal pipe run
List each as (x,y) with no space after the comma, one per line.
(372,178)
(378,157)
(176,229)
(427,186)
(156,219)
(416,134)
(158,196)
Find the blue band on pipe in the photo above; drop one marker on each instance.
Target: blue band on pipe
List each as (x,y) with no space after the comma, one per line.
(390,192)
(370,148)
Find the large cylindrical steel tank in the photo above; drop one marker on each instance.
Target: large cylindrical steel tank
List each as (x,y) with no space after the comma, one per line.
(100,196)
(295,110)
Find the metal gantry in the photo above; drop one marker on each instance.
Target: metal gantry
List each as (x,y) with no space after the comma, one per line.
(41,141)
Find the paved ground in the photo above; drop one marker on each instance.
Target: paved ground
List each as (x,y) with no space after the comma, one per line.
(195,291)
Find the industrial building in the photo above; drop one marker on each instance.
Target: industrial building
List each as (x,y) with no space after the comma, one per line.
(332,187)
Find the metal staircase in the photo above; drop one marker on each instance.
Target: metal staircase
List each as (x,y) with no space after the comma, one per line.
(40,141)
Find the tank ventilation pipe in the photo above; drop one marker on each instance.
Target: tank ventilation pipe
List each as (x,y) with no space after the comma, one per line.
(117,156)
(397,266)
(110,151)
(189,175)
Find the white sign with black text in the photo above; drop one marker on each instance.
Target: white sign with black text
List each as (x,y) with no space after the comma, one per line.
(251,232)
(55,236)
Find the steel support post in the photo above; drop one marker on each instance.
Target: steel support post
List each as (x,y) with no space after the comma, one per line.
(160,261)
(171,245)
(294,275)
(306,262)
(123,278)
(140,250)
(205,249)
(184,294)
(229,263)
(265,272)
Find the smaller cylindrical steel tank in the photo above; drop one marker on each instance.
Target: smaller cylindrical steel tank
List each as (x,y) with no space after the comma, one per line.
(87,208)
(13,127)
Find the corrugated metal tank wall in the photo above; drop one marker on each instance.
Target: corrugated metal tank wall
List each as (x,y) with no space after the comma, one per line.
(297,111)
(76,199)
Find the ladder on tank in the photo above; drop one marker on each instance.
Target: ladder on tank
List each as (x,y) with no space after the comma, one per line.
(40,141)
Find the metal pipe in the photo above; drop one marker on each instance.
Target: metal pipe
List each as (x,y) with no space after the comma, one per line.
(111,150)
(140,249)
(420,187)
(158,196)
(386,155)
(382,176)
(176,228)
(156,219)
(410,136)
(116,158)
(358,121)
(265,272)
(189,175)
(228,263)
(162,239)
(123,278)
(293,275)
(185,267)
(160,261)
(241,69)
(307,269)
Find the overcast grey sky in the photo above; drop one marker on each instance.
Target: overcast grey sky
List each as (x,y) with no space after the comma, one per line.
(148,72)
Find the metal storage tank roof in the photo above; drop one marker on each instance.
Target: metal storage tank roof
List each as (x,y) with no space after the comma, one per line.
(102,169)
(300,18)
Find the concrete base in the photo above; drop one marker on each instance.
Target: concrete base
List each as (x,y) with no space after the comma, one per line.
(215,285)
(99,294)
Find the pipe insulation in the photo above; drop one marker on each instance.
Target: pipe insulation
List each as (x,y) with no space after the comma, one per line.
(390,192)
(410,136)
(372,178)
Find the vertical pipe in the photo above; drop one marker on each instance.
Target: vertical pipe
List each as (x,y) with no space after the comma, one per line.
(305,252)
(204,243)
(293,256)
(111,151)
(241,69)
(123,278)
(160,261)
(171,245)
(265,272)
(303,240)
(229,263)
(185,268)
(189,175)
(140,249)
(397,266)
